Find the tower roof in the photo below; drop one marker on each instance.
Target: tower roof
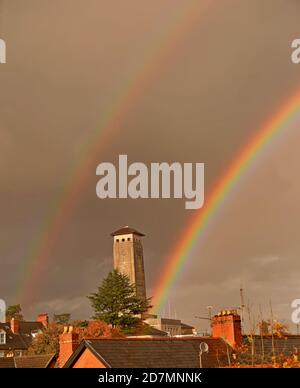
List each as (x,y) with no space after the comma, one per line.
(126,230)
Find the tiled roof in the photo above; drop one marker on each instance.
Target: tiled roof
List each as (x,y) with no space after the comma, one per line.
(155,352)
(263,347)
(126,230)
(186,326)
(150,330)
(40,361)
(13,341)
(7,363)
(146,330)
(26,330)
(22,340)
(27,327)
(170,321)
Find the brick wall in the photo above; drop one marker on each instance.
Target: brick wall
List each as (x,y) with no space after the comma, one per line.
(228,326)
(68,343)
(88,360)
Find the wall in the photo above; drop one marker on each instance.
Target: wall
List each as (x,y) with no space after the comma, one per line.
(88,360)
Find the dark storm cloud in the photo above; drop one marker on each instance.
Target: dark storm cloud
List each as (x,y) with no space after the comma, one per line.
(66,61)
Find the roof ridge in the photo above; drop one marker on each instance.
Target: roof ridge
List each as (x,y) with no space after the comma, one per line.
(183,338)
(126,230)
(36,355)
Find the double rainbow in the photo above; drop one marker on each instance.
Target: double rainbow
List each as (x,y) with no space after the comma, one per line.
(158,54)
(126,100)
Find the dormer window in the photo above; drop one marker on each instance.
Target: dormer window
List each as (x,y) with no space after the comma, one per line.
(2,337)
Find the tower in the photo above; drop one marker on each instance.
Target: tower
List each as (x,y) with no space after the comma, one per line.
(129,258)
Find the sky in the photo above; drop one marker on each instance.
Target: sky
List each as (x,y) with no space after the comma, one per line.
(221,77)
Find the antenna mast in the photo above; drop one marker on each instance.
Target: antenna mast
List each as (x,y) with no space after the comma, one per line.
(242,303)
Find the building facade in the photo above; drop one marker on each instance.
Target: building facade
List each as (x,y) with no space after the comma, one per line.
(16,336)
(129,257)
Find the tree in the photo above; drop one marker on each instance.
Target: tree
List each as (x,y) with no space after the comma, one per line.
(264,327)
(14,311)
(97,329)
(279,329)
(115,302)
(78,323)
(273,327)
(62,319)
(48,341)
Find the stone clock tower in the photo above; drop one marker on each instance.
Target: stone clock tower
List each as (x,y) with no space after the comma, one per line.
(129,258)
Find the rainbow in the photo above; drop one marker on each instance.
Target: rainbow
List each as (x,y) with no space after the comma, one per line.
(196,228)
(158,55)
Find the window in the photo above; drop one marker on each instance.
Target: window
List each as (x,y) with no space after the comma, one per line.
(117,240)
(123,239)
(128,239)
(2,337)
(2,354)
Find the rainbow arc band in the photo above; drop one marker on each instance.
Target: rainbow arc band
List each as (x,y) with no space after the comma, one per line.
(197,227)
(158,54)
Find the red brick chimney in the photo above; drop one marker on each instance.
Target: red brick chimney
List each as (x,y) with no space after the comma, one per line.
(68,343)
(44,319)
(227,325)
(15,325)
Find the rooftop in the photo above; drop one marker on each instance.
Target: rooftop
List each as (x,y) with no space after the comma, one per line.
(153,352)
(40,361)
(126,230)
(265,347)
(21,340)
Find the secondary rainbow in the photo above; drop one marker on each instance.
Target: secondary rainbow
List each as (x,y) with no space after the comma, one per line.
(157,55)
(197,227)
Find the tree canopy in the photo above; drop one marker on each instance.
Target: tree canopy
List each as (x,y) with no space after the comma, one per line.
(62,319)
(14,311)
(116,302)
(47,342)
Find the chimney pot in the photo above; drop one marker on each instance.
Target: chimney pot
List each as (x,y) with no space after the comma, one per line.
(44,319)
